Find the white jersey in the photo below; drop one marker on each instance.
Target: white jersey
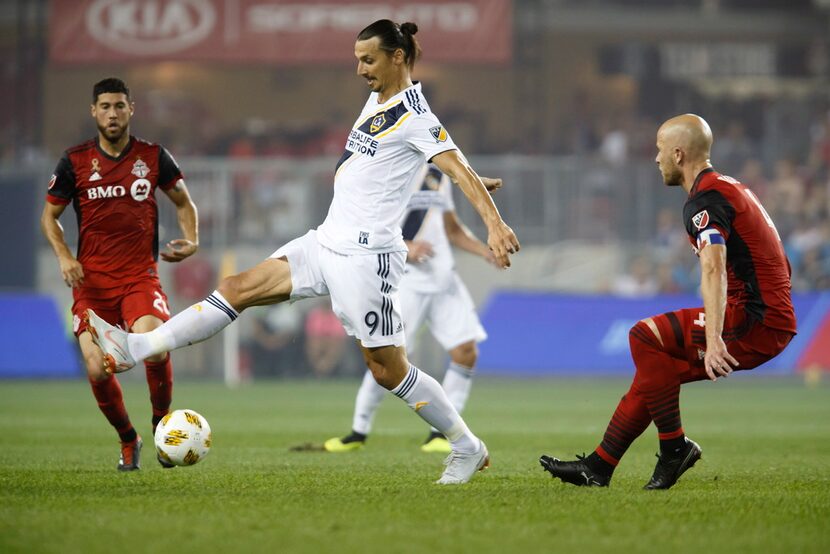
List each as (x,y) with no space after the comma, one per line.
(386,147)
(424,220)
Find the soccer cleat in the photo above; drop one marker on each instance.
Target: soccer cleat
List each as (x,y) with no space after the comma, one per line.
(575,472)
(353,441)
(130,454)
(112,341)
(669,469)
(461,467)
(436,442)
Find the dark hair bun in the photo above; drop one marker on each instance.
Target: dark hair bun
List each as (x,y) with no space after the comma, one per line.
(409,28)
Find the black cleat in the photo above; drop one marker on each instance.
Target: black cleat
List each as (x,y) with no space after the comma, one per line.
(669,469)
(130,455)
(576,472)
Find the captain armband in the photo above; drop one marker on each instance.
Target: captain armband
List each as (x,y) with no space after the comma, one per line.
(709,236)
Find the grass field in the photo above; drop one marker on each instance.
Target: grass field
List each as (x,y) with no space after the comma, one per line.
(763,484)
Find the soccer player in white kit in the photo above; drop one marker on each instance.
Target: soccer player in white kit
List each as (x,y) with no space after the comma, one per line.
(431,292)
(357,254)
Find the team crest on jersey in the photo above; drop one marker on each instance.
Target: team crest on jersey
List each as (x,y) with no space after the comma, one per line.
(377,123)
(140,169)
(438,133)
(96,167)
(701,220)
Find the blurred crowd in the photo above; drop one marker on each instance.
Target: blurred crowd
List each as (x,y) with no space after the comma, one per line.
(793,189)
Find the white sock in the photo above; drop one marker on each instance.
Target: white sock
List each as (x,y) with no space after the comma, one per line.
(369,397)
(458,380)
(197,323)
(423,394)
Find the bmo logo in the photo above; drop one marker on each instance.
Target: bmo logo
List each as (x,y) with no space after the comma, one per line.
(109,191)
(140,189)
(150,27)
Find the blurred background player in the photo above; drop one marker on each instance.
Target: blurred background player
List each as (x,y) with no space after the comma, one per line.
(357,255)
(431,291)
(747,316)
(111,182)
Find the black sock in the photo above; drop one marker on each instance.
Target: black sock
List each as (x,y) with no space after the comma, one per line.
(598,465)
(354,437)
(128,436)
(156,420)
(671,447)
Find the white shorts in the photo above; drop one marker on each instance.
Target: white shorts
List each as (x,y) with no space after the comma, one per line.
(363,288)
(450,315)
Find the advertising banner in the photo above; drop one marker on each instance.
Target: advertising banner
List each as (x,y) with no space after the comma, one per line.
(279,32)
(548,334)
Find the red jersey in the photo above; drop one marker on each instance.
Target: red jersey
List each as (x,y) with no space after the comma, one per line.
(115,204)
(758,271)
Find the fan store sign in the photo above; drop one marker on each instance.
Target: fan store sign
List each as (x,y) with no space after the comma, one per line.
(269,31)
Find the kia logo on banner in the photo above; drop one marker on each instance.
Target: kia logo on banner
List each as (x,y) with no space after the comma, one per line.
(275,32)
(150,26)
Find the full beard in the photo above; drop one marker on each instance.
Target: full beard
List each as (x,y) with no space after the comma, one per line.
(113,135)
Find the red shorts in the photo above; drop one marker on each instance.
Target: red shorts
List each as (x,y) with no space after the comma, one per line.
(684,338)
(120,305)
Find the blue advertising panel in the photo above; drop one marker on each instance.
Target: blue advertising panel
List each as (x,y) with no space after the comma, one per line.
(33,339)
(534,333)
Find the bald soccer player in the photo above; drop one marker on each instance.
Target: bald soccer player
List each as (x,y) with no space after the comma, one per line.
(746,319)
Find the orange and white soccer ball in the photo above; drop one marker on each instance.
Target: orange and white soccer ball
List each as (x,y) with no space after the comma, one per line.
(183,437)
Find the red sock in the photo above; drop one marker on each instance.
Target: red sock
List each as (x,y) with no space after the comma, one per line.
(160,382)
(629,421)
(111,402)
(658,378)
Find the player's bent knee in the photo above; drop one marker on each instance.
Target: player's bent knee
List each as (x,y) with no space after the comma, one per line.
(644,333)
(465,354)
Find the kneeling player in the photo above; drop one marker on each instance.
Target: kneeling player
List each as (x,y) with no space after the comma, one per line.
(747,317)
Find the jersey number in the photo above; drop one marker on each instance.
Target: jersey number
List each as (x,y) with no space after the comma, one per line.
(371,320)
(768,219)
(160,304)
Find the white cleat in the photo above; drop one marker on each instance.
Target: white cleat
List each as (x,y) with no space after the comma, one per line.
(112,341)
(461,467)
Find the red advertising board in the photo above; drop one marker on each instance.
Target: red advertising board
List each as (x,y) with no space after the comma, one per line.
(279,32)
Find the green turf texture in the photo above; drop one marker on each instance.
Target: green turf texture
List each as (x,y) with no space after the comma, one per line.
(763,484)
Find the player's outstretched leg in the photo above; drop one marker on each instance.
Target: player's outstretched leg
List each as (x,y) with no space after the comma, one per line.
(369,397)
(199,322)
(112,341)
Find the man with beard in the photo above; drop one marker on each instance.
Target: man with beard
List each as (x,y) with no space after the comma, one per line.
(111,182)
(747,316)
(357,255)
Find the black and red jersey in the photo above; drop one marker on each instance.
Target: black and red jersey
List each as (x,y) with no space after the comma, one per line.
(758,271)
(114,199)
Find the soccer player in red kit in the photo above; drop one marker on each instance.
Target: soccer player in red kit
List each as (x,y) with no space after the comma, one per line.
(111,182)
(747,316)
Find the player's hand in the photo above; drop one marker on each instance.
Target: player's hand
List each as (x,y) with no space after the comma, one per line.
(71,271)
(178,249)
(492,185)
(718,361)
(502,241)
(419,251)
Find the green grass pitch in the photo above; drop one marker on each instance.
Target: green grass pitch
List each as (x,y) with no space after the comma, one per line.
(763,484)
